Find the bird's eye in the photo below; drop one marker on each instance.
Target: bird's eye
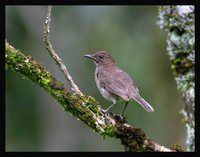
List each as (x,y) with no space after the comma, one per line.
(100,56)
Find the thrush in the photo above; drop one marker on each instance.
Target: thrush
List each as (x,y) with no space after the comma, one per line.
(115,84)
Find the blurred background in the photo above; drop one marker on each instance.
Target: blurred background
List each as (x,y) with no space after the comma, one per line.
(36,122)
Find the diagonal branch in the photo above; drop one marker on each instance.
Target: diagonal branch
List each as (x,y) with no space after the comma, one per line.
(84,107)
(55,56)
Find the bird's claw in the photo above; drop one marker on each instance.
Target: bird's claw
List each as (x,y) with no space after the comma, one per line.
(102,110)
(120,117)
(106,112)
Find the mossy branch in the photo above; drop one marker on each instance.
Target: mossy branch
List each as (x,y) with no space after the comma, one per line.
(178,22)
(85,108)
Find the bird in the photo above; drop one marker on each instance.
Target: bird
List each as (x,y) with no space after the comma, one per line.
(114,83)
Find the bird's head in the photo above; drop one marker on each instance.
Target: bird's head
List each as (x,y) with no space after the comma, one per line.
(101,58)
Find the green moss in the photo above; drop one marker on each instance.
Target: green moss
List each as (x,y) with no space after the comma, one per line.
(134,139)
(56,84)
(35,72)
(176,147)
(181,65)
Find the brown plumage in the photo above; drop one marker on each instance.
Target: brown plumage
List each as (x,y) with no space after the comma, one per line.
(114,83)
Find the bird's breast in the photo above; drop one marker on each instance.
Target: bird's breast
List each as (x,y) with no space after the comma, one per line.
(107,95)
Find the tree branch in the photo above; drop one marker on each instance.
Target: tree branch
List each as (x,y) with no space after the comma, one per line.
(178,22)
(55,56)
(85,108)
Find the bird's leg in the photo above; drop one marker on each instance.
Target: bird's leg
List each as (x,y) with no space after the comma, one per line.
(124,108)
(121,116)
(106,110)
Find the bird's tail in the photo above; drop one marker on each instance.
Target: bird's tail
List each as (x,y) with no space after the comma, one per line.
(144,104)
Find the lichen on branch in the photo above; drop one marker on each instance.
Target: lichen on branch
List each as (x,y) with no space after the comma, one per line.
(179,23)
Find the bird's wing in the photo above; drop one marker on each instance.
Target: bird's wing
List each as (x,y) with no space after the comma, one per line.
(117,82)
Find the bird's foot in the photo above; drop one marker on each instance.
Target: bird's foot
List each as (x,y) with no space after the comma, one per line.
(105,112)
(120,117)
(102,110)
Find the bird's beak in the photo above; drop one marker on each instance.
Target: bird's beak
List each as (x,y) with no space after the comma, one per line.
(90,56)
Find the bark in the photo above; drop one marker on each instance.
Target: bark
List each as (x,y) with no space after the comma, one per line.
(179,23)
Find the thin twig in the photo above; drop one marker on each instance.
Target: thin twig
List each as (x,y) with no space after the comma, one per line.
(55,56)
